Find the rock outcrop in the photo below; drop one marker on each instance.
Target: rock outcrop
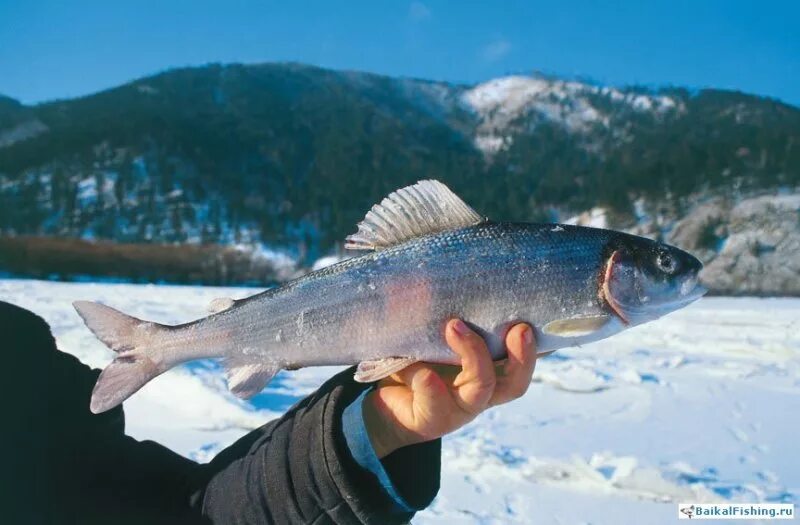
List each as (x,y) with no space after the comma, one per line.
(750,247)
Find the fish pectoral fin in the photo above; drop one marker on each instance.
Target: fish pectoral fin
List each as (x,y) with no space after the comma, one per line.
(421,209)
(370,371)
(576,326)
(247,378)
(220,304)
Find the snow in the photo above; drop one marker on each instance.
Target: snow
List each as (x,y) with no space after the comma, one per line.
(283,264)
(699,406)
(324,262)
(147,89)
(500,103)
(87,190)
(21,132)
(754,206)
(491,143)
(595,218)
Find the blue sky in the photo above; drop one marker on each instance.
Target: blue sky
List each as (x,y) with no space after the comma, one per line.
(55,49)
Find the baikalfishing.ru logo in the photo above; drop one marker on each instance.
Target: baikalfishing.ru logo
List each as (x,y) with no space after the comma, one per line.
(736,511)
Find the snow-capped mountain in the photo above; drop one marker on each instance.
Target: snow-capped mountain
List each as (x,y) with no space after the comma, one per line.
(291,156)
(512,105)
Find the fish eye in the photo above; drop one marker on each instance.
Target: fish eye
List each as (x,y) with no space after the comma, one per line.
(666,262)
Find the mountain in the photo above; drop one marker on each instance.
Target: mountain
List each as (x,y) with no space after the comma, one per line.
(292,156)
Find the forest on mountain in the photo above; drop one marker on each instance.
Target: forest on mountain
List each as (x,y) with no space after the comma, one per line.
(292,156)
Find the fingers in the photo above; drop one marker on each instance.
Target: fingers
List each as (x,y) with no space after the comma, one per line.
(430,400)
(422,379)
(474,385)
(448,373)
(518,370)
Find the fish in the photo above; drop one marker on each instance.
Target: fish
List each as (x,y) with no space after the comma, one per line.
(426,257)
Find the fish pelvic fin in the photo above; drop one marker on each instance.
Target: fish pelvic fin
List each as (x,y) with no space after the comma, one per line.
(246,377)
(136,362)
(576,326)
(369,371)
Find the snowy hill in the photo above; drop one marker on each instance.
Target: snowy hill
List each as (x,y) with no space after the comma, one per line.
(291,156)
(512,105)
(698,406)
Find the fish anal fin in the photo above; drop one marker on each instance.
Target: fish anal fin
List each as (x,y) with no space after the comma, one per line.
(247,378)
(421,209)
(370,371)
(576,326)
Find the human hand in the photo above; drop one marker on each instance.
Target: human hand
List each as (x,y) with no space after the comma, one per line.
(424,401)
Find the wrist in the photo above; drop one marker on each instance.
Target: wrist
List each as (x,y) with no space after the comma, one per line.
(384,434)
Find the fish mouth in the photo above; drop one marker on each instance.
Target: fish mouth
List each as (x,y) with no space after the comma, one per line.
(690,291)
(637,313)
(660,309)
(695,293)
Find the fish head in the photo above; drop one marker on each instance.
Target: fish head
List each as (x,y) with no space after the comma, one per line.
(643,280)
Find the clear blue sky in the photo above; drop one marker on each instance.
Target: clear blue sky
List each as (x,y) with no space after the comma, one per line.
(55,49)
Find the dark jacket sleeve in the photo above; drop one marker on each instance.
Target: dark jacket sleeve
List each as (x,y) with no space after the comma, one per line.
(71,466)
(298,469)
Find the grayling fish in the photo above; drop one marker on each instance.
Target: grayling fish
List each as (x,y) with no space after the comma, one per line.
(430,258)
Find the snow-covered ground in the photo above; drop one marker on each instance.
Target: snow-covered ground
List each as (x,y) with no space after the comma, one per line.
(702,405)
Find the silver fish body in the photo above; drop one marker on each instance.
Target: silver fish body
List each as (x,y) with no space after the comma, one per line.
(395,302)
(573,284)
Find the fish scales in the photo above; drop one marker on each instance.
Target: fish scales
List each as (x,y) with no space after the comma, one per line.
(489,275)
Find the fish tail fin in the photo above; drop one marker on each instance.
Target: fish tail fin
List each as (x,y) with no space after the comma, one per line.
(136,362)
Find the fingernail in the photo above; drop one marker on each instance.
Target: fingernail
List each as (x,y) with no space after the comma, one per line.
(461,327)
(527,336)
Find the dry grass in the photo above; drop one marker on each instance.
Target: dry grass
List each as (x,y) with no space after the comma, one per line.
(67,259)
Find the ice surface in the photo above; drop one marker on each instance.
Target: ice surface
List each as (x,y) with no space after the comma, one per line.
(701,405)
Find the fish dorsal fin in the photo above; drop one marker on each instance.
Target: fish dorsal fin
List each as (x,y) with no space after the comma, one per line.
(423,208)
